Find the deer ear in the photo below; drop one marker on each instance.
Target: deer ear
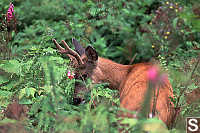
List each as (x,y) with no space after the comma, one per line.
(91,53)
(78,48)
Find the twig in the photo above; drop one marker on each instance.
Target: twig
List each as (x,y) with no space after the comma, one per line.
(133,59)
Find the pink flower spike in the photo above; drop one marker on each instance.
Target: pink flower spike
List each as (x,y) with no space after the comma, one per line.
(11,7)
(10,12)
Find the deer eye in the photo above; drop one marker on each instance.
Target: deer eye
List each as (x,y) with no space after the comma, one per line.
(84,76)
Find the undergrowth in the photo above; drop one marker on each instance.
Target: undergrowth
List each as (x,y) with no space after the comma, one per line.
(33,73)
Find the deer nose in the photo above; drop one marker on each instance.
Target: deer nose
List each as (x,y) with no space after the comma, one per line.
(77,100)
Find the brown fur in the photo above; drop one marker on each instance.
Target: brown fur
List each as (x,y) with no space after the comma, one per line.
(16,111)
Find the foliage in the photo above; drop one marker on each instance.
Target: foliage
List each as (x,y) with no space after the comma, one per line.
(32,71)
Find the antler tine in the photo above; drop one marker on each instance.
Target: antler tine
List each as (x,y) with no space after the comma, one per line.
(61,49)
(68,50)
(73,53)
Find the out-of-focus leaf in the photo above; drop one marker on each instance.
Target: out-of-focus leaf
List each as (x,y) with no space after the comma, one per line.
(11,66)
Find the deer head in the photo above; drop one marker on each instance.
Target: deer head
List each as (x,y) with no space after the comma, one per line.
(83,60)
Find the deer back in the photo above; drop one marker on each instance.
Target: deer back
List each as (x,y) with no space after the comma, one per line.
(133,91)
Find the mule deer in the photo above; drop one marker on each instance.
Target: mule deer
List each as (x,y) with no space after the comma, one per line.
(130,80)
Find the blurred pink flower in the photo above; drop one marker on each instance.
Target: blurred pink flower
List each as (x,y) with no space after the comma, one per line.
(155,76)
(10,13)
(153,73)
(70,75)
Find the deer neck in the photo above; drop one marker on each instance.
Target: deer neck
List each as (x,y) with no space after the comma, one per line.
(111,72)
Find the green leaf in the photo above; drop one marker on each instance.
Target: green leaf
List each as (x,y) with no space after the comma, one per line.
(27,92)
(5,97)
(11,66)
(25,101)
(3,79)
(175,22)
(154,126)
(131,121)
(27,65)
